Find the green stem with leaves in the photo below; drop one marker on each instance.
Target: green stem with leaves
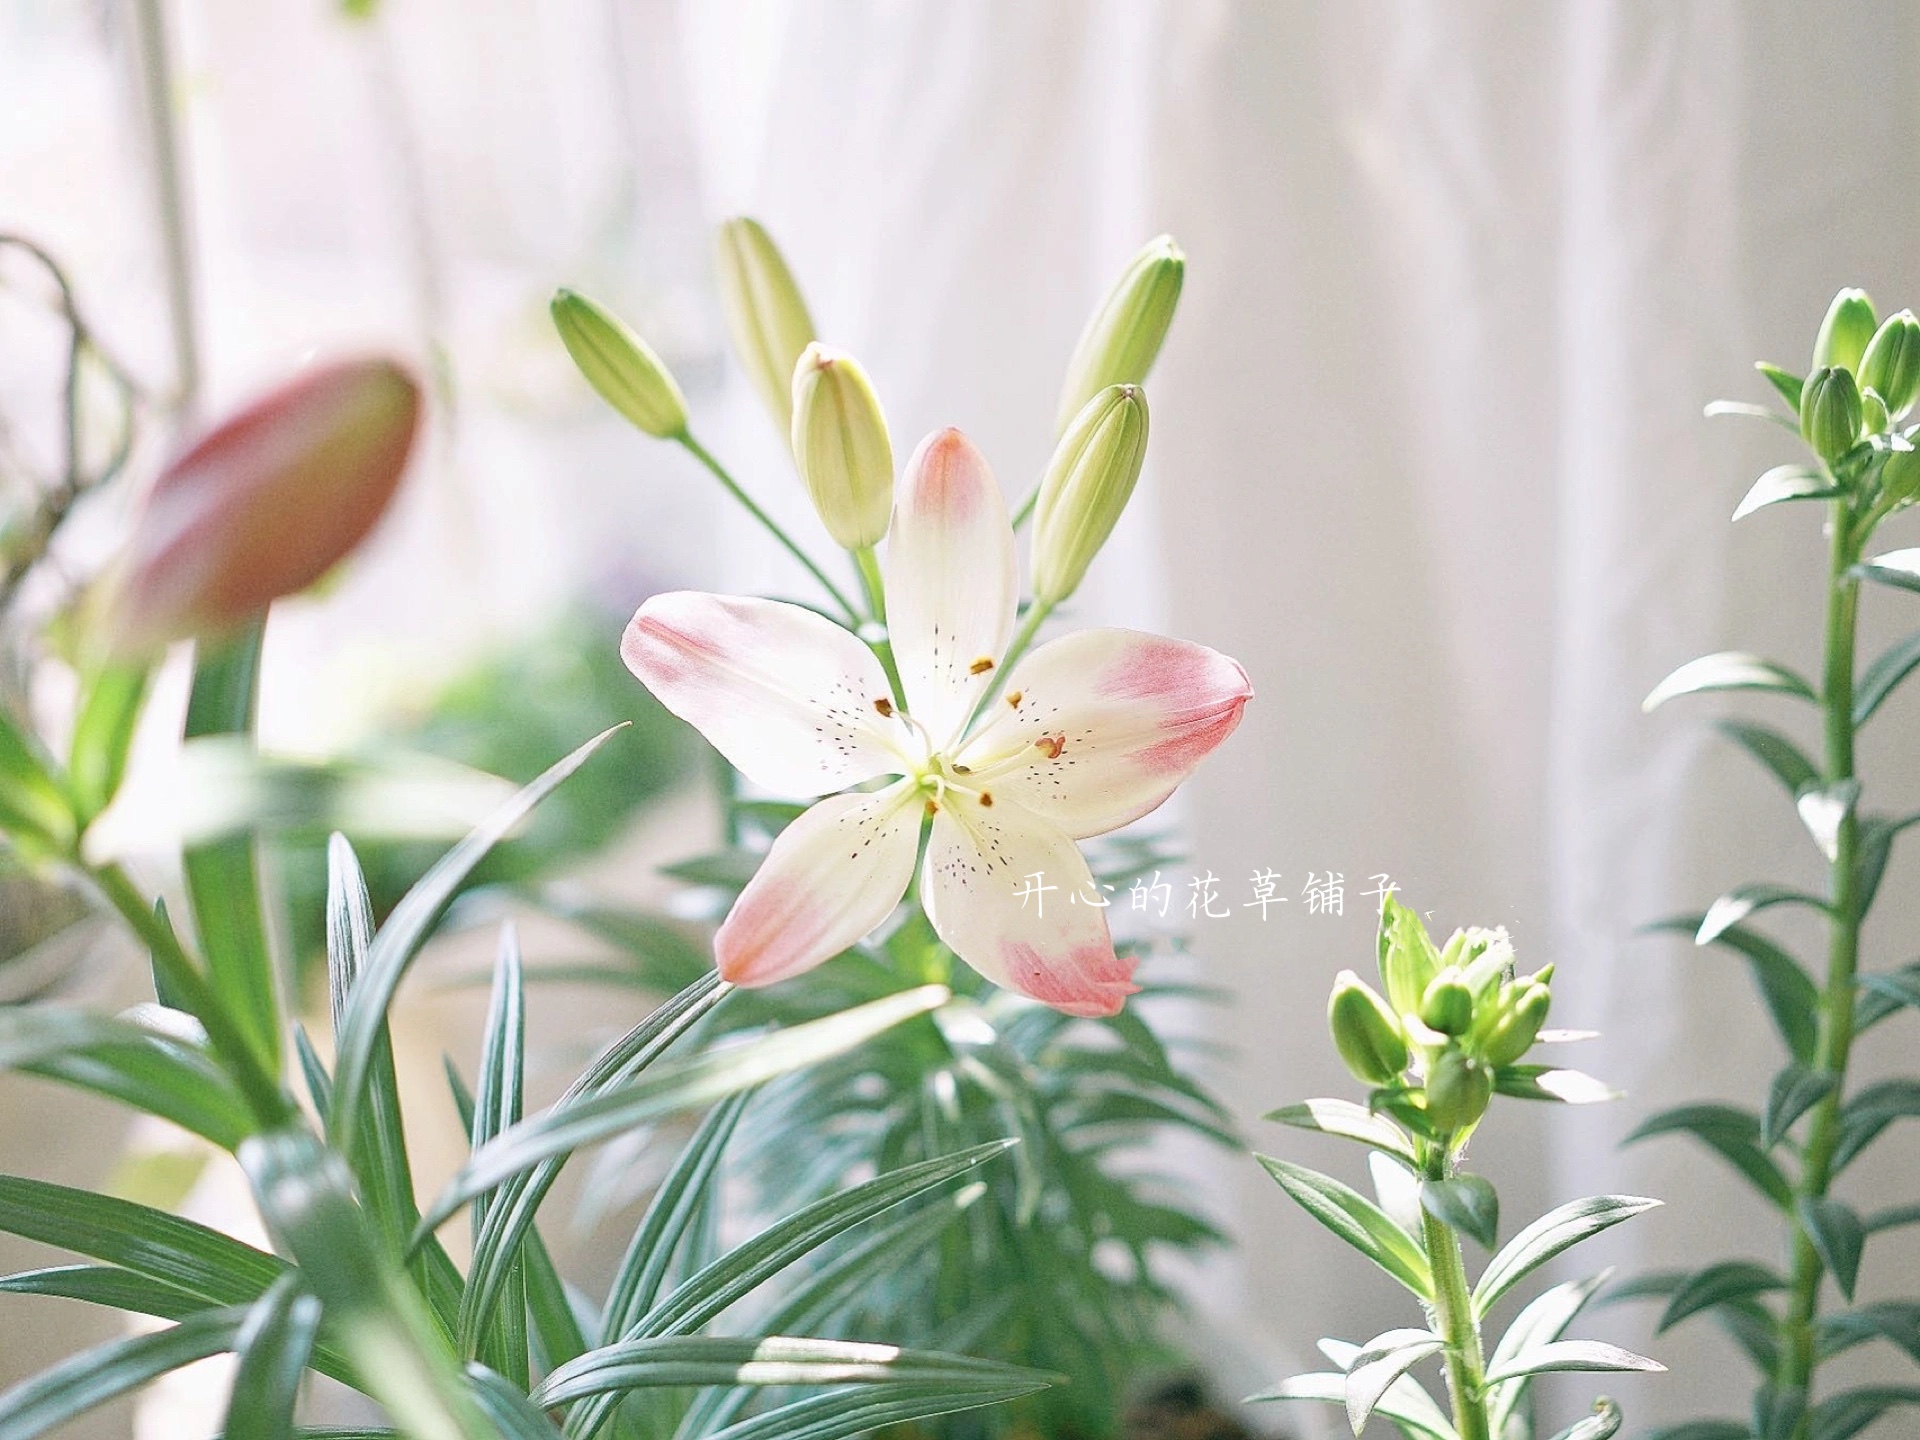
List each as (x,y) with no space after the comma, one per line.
(1454,1317)
(1798,1354)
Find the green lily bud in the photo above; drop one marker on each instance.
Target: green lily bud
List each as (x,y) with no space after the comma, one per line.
(1516,1024)
(1088,483)
(1408,962)
(1458,1091)
(1830,413)
(1891,364)
(1448,1004)
(841,447)
(1364,1031)
(1123,337)
(1845,332)
(1900,477)
(766,315)
(620,365)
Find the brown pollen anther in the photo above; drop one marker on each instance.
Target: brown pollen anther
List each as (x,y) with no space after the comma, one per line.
(1015,698)
(884,706)
(986,797)
(1052,745)
(980,666)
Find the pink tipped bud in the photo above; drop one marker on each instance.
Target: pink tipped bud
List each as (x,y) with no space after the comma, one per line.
(265,503)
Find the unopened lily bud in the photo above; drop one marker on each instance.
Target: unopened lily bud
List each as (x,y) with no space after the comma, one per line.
(1364,1031)
(1900,477)
(1844,334)
(264,504)
(1458,1091)
(1408,961)
(1891,364)
(1516,1024)
(620,365)
(1088,483)
(840,445)
(765,313)
(1830,413)
(1123,337)
(1448,1004)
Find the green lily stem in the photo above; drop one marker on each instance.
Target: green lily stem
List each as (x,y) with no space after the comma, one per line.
(188,984)
(876,591)
(1798,1355)
(1454,1318)
(1036,616)
(772,526)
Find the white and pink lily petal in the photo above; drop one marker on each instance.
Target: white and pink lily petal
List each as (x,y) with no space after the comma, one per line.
(1090,732)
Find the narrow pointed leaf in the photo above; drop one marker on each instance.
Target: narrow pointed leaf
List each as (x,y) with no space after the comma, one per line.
(1703,1430)
(273,1346)
(1870,1111)
(1823,809)
(406,930)
(1728,670)
(1349,1121)
(1785,482)
(1467,1203)
(507,1408)
(1356,1220)
(110,712)
(1883,677)
(1885,993)
(1730,1131)
(1380,1364)
(1899,569)
(1717,1284)
(1715,409)
(1565,1225)
(1787,761)
(104,1373)
(1897,1321)
(1838,1236)
(1551,1082)
(1785,382)
(1842,1416)
(1405,1403)
(500,1335)
(1790,995)
(1795,1090)
(1544,1319)
(1744,900)
(841,1414)
(1892,1218)
(1557,1355)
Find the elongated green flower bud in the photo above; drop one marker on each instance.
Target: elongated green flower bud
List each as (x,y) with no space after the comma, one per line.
(841,447)
(1891,364)
(1830,413)
(1368,1037)
(1458,1091)
(1900,477)
(620,365)
(1123,337)
(1845,332)
(1448,1004)
(1408,961)
(1088,483)
(766,315)
(1517,1023)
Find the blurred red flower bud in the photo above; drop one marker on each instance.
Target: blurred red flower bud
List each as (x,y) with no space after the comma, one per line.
(265,503)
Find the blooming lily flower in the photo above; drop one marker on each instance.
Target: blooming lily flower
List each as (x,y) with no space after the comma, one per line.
(1089,732)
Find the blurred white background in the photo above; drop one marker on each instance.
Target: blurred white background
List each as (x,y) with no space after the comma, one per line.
(1428,454)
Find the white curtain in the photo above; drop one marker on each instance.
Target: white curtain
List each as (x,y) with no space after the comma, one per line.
(1427,457)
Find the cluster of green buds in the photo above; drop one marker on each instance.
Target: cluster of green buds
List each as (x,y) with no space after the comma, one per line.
(1453,1026)
(1863,381)
(825,405)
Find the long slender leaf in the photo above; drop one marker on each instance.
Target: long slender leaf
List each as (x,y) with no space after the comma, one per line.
(501,1338)
(1897,1321)
(110,711)
(1356,1220)
(105,1372)
(1869,1112)
(1838,1236)
(1350,1122)
(1564,1226)
(223,883)
(1544,1319)
(507,1408)
(305,1196)
(124,1060)
(1786,760)
(274,1346)
(1794,1091)
(1582,1355)
(511,1213)
(1883,677)
(1899,569)
(406,930)
(1744,900)
(1884,993)
(35,812)
(1379,1366)
(1405,1403)
(681,1085)
(1704,1430)
(1842,1416)
(839,1415)
(1790,995)
(1728,670)
(149,1242)
(1719,1284)
(1782,483)
(1733,1133)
